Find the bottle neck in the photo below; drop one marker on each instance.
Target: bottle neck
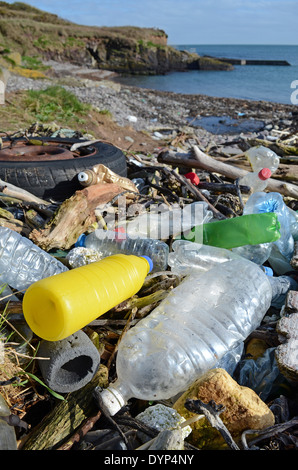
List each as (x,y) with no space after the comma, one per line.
(116,396)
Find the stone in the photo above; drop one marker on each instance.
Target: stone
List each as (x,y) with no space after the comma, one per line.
(243,409)
(286,353)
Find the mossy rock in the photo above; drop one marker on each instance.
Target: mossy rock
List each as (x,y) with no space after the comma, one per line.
(243,409)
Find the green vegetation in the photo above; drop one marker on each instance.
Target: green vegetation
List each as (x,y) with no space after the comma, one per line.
(33,63)
(55,104)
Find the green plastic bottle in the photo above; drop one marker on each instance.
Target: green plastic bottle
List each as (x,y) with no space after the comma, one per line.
(251,229)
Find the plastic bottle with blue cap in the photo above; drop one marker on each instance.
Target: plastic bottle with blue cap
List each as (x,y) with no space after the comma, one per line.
(283,248)
(60,305)
(108,242)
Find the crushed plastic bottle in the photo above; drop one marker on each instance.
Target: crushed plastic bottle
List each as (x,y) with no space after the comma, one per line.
(22,262)
(189,332)
(7,433)
(283,248)
(262,157)
(257,181)
(264,163)
(258,254)
(108,243)
(189,257)
(58,306)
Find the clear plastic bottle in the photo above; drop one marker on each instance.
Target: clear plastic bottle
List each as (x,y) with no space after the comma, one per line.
(189,257)
(264,163)
(262,157)
(261,202)
(256,180)
(22,262)
(258,254)
(202,319)
(7,433)
(162,225)
(108,243)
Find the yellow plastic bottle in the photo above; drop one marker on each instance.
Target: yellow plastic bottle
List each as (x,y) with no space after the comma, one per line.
(58,306)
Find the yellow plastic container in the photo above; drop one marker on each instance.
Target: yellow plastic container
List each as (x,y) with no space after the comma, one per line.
(58,306)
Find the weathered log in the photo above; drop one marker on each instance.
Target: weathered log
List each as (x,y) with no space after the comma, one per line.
(277,146)
(73,217)
(14,191)
(16,225)
(205,162)
(67,416)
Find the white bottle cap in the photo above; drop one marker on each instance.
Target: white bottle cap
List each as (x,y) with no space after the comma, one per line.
(113,400)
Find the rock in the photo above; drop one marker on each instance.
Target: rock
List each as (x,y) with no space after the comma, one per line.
(243,409)
(162,418)
(168,440)
(287,327)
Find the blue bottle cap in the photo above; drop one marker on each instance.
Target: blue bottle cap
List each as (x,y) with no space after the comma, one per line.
(268,270)
(149,261)
(81,240)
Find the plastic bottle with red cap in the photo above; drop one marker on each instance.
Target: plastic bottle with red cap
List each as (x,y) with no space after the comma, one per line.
(257,181)
(264,163)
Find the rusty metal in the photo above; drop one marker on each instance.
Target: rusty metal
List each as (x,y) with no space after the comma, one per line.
(30,153)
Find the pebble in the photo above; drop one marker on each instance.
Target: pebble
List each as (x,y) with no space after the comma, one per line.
(138,106)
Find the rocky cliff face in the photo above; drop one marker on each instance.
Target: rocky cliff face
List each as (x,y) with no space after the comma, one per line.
(125,55)
(133,50)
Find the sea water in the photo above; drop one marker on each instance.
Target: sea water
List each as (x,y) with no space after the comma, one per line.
(252,82)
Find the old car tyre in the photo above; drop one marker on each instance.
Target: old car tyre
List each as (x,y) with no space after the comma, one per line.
(49,171)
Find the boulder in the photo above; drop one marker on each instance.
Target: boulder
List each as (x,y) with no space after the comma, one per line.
(243,409)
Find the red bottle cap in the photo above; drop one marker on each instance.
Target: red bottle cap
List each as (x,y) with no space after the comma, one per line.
(264,174)
(193,177)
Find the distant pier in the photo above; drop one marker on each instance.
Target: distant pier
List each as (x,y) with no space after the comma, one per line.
(252,61)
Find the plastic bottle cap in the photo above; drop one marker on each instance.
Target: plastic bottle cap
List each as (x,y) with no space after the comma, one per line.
(82,176)
(193,177)
(264,174)
(81,240)
(268,271)
(149,261)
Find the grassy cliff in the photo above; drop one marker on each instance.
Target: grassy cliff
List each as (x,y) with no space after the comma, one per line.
(30,32)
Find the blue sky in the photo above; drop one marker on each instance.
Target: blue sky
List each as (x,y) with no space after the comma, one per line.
(189,21)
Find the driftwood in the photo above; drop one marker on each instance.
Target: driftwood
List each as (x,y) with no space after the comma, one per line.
(204,162)
(73,217)
(212,411)
(68,415)
(14,191)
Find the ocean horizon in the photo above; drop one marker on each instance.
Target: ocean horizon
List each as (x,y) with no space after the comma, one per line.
(275,83)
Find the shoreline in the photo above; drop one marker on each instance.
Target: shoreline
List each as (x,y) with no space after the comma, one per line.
(146,110)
